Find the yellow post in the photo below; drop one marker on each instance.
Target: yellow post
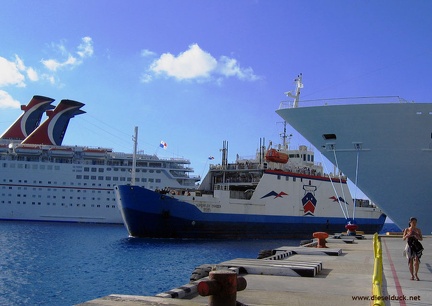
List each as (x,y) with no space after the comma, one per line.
(377,273)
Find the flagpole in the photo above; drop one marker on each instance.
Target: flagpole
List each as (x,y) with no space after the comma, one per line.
(135,140)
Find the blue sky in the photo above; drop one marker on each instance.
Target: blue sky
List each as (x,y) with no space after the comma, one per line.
(196,73)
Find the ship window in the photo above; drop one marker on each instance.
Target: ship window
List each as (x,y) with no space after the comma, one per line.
(278,177)
(86,169)
(329,136)
(93,169)
(101,170)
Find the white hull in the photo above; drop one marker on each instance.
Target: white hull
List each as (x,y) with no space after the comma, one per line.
(395,151)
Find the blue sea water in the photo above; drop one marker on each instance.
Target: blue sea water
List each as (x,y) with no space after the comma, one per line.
(66,264)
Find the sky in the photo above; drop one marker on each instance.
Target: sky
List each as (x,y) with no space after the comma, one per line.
(194,73)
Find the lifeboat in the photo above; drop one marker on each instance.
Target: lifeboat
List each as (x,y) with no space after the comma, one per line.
(4,148)
(28,150)
(59,151)
(95,152)
(274,155)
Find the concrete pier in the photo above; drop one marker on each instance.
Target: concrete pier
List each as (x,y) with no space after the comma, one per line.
(338,275)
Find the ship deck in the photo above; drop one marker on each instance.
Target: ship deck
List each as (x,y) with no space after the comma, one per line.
(345,278)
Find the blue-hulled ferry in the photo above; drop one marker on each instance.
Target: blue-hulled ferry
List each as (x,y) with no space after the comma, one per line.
(280,193)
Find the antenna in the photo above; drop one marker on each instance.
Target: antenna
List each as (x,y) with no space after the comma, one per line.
(135,140)
(299,85)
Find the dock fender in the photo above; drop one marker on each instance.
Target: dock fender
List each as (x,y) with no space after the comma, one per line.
(265,253)
(201,272)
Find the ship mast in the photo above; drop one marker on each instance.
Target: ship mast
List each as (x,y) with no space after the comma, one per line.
(135,140)
(296,96)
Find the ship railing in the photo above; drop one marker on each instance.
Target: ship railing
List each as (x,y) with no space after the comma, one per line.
(236,180)
(179,174)
(344,101)
(238,166)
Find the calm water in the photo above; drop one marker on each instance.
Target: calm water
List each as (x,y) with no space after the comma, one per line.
(66,264)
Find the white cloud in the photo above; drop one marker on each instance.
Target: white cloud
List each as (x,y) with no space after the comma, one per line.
(147,53)
(6,101)
(191,64)
(84,50)
(196,63)
(230,67)
(146,78)
(10,73)
(16,73)
(32,74)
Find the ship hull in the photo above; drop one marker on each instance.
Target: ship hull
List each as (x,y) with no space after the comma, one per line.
(150,214)
(393,143)
(67,189)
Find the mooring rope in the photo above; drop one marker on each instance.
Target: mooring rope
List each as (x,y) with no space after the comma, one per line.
(334,189)
(340,181)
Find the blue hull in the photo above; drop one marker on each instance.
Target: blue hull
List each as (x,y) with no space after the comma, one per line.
(150,214)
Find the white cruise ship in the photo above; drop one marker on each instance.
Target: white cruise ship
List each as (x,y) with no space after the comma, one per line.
(42,180)
(384,147)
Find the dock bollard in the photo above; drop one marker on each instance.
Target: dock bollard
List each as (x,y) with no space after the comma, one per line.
(351,229)
(222,288)
(321,236)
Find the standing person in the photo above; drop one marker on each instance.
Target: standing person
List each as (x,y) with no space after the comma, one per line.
(413,247)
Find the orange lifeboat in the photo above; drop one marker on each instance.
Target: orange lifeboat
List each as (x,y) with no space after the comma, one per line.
(274,155)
